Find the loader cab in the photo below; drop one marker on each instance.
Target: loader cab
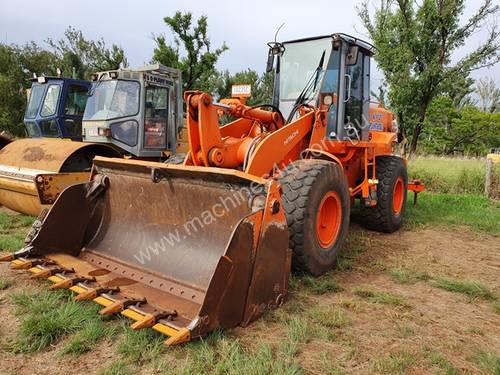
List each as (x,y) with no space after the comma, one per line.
(137,110)
(332,72)
(55,107)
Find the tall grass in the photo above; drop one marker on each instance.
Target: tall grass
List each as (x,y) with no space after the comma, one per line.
(452,175)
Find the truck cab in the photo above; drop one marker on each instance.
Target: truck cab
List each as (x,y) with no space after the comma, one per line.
(55,108)
(331,72)
(137,110)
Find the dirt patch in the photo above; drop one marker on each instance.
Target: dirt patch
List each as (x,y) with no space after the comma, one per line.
(461,253)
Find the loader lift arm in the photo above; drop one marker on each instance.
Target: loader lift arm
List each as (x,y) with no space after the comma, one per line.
(256,143)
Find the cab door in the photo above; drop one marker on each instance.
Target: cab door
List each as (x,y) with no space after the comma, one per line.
(357,94)
(74,107)
(156,117)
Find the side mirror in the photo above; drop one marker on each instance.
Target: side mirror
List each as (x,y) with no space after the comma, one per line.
(275,49)
(270,61)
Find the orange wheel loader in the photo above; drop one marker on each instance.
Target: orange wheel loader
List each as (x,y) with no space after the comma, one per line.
(185,249)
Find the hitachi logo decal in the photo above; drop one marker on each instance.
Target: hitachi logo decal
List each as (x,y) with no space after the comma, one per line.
(290,137)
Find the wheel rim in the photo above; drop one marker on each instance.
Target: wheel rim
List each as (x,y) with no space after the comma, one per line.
(328,219)
(398,196)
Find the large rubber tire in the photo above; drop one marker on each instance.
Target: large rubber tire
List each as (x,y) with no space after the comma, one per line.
(306,184)
(385,216)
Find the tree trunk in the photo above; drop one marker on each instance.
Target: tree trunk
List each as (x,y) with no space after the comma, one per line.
(414,139)
(418,127)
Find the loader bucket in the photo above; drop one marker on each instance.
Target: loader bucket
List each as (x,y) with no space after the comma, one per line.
(183,250)
(33,171)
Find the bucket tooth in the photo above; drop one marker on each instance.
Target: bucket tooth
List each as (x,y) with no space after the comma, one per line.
(26,264)
(93,293)
(120,305)
(68,283)
(183,335)
(7,258)
(23,265)
(150,320)
(46,273)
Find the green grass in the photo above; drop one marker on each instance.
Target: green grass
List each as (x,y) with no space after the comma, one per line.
(12,242)
(395,363)
(4,283)
(408,276)
(357,242)
(219,354)
(13,221)
(329,367)
(298,330)
(488,361)
(384,298)
(48,316)
(476,212)
(471,289)
(86,339)
(404,331)
(140,346)
(436,359)
(317,285)
(496,307)
(329,316)
(116,368)
(13,230)
(451,175)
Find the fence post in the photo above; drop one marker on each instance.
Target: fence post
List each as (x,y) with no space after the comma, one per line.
(489,173)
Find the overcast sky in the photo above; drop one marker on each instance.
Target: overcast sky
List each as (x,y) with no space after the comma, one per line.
(246,26)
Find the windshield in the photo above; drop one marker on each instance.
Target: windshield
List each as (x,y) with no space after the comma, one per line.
(34,100)
(112,99)
(299,63)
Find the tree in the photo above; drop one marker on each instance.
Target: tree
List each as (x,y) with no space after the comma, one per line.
(17,64)
(198,65)
(416,42)
(468,130)
(489,95)
(262,86)
(84,57)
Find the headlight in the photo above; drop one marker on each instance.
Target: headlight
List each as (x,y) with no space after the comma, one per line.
(104,132)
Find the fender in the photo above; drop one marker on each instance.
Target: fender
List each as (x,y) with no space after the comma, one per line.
(311,153)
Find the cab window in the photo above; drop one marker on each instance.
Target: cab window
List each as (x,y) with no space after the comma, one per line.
(155,121)
(35,99)
(49,106)
(75,101)
(49,128)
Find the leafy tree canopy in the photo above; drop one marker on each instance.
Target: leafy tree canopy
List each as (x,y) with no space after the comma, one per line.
(416,42)
(84,57)
(262,86)
(190,52)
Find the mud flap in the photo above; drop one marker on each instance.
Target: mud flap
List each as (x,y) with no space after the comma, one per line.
(183,250)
